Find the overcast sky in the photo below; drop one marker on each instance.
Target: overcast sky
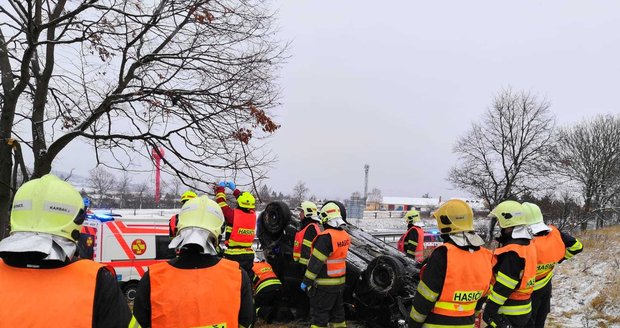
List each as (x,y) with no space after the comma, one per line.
(395,83)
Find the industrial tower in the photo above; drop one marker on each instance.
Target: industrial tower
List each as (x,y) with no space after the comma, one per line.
(366,168)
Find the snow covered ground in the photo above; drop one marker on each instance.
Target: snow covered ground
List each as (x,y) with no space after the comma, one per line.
(586,289)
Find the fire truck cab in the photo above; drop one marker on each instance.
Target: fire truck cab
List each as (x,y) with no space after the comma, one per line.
(127,245)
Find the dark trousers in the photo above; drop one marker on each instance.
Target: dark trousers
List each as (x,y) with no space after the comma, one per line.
(326,306)
(266,302)
(541,306)
(246,261)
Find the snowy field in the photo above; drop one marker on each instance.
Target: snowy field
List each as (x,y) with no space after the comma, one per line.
(586,289)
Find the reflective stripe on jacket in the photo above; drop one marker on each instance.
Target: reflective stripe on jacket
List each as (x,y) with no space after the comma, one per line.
(550,250)
(243,229)
(468,276)
(302,245)
(405,243)
(172,287)
(523,289)
(337,261)
(60,297)
(264,276)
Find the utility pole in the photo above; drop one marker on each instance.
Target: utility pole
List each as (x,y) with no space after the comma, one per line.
(366,168)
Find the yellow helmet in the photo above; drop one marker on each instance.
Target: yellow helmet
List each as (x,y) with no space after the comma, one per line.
(48,205)
(534,217)
(454,216)
(187,196)
(412,217)
(330,214)
(246,200)
(509,214)
(309,209)
(201,212)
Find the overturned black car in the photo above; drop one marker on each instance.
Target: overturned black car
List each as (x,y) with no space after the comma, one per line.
(380,280)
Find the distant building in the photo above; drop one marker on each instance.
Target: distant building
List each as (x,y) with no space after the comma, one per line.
(420,204)
(407,203)
(355,207)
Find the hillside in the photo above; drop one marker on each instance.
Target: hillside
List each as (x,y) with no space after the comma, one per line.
(586,289)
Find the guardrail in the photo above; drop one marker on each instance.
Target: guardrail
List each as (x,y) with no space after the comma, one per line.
(387,236)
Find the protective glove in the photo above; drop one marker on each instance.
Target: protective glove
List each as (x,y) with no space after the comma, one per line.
(496,320)
(222,184)
(303,286)
(231,185)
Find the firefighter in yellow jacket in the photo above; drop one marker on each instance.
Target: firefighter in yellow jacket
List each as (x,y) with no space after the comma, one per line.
(324,279)
(509,303)
(552,246)
(42,283)
(457,274)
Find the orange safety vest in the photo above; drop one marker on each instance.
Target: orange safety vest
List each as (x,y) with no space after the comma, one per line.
(62,297)
(243,229)
(264,276)
(337,261)
(528,254)
(172,287)
(468,276)
(299,240)
(550,250)
(419,250)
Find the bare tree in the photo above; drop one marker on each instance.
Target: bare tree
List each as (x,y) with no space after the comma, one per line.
(299,194)
(375,196)
(195,77)
(499,158)
(264,194)
(123,188)
(143,190)
(102,181)
(588,155)
(175,187)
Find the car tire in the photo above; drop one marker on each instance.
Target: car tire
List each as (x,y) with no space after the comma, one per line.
(275,218)
(384,275)
(130,290)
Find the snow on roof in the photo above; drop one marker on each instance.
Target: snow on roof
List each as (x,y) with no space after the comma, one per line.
(476,204)
(411,201)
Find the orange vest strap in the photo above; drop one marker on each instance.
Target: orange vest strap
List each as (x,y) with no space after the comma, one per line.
(263,271)
(550,250)
(36,302)
(337,261)
(171,287)
(299,240)
(468,276)
(419,249)
(528,254)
